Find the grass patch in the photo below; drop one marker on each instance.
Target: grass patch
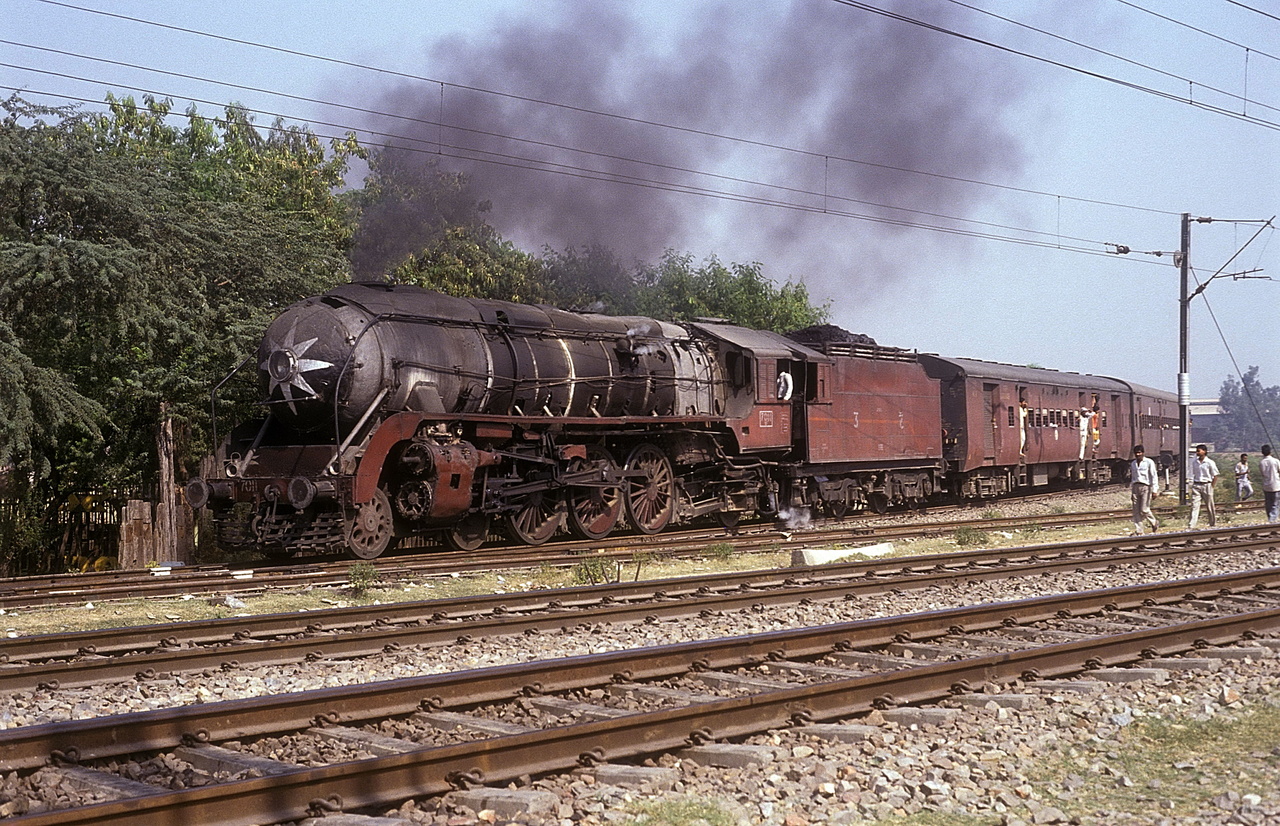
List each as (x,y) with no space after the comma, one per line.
(361,577)
(719,551)
(690,812)
(1173,768)
(595,571)
(940,819)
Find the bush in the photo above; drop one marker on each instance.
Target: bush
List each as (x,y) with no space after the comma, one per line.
(970,536)
(362,576)
(22,539)
(594,571)
(720,551)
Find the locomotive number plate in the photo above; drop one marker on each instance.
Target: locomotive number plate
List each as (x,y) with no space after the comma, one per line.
(766,418)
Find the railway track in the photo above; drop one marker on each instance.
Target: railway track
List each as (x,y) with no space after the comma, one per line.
(63,589)
(77,659)
(429,735)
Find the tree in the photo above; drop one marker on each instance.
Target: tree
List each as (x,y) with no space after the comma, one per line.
(408,204)
(590,279)
(676,290)
(476,263)
(1250,413)
(139,261)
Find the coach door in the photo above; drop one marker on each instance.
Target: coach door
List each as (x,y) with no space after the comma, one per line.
(991,416)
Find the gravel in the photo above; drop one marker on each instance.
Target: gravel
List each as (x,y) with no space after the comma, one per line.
(982,764)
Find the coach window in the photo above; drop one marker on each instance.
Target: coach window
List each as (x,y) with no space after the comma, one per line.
(739,367)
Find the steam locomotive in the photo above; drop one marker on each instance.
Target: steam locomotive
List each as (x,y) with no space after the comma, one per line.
(394,411)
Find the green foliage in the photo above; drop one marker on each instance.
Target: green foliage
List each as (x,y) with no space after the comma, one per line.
(476,263)
(720,551)
(141,255)
(22,534)
(591,279)
(595,571)
(362,576)
(969,535)
(640,559)
(1250,415)
(420,224)
(991,513)
(676,290)
(409,205)
(682,812)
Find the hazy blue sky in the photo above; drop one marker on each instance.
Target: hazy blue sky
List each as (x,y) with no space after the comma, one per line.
(813,136)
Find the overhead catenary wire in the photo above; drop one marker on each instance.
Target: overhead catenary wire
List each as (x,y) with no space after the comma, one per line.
(814,153)
(431,147)
(1198,30)
(1254,10)
(440,124)
(602,175)
(1119,57)
(1235,365)
(1187,100)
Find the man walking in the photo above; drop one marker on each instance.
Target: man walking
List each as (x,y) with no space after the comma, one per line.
(1270,467)
(1146,479)
(1204,472)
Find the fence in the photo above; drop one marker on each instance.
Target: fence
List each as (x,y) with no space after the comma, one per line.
(96,529)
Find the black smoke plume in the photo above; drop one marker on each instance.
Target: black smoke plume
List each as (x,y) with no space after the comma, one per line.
(811,75)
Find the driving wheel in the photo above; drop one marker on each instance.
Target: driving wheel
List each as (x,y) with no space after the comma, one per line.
(537,520)
(651,496)
(594,510)
(369,529)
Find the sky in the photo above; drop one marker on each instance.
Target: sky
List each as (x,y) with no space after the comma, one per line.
(951,176)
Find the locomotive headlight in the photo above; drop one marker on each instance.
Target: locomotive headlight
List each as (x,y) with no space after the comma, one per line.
(287,366)
(283,366)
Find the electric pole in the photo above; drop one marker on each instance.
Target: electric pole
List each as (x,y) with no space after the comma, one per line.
(1184,376)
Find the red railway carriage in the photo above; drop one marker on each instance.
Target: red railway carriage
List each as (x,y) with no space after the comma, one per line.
(1156,419)
(1008,427)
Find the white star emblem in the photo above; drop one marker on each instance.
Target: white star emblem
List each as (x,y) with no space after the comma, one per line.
(285,367)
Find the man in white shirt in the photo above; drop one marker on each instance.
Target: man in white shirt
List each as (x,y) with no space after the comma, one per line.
(1145,477)
(1270,467)
(1085,414)
(1204,472)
